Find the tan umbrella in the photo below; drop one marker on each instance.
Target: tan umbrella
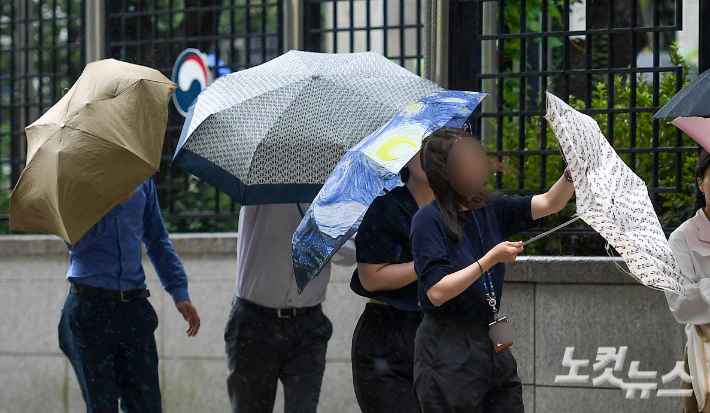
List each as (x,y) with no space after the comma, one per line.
(91,149)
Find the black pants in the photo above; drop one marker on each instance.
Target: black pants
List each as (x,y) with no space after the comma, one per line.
(456,369)
(111,346)
(383,359)
(263,349)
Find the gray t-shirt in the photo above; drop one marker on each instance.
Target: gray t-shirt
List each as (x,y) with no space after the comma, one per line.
(265,261)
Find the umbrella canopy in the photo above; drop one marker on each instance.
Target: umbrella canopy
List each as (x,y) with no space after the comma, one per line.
(612,199)
(697,128)
(274,132)
(692,100)
(91,149)
(367,170)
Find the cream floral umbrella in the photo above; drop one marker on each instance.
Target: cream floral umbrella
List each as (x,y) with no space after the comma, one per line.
(612,199)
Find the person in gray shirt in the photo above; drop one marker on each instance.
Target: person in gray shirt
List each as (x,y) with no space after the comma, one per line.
(273,333)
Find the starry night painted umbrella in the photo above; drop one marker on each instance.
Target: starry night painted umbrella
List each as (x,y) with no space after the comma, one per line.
(367,170)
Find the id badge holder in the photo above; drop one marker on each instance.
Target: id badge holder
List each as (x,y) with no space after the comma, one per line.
(498,346)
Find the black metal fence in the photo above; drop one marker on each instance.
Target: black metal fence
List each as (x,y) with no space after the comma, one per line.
(394,28)
(238,34)
(611,59)
(41,53)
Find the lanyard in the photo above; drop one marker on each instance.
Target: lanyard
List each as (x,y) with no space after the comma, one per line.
(487,280)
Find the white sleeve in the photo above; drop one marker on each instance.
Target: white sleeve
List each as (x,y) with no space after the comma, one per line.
(695,308)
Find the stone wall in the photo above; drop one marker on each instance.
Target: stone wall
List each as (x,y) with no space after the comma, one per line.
(553,303)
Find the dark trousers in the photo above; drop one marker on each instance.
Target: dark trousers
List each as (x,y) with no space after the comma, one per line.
(111,346)
(263,348)
(456,369)
(383,359)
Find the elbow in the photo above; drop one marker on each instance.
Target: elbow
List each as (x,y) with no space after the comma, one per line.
(555,206)
(368,284)
(435,297)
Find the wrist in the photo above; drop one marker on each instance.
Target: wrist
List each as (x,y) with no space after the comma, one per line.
(567,175)
(487,261)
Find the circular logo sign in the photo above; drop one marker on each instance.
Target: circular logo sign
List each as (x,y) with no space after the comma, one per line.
(192,75)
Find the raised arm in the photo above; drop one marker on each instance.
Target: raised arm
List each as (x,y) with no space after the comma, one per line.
(554,200)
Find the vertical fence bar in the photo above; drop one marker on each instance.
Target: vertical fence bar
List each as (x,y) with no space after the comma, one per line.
(13,98)
(501,86)
(401,32)
(40,57)
(522,95)
(384,27)
(632,80)
(352,26)
(54,51)
(368,28)
(656,100)
(610,76)
(704,36)
(420,57)
(543,89)
(590,47)
(335,26)
(18,150)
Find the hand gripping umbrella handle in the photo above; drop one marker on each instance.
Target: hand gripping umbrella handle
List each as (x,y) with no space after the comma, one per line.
(575,218)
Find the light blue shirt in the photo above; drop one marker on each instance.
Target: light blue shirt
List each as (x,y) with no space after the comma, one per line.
(109,255)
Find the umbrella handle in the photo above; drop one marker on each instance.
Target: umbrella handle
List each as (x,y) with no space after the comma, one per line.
(575,218)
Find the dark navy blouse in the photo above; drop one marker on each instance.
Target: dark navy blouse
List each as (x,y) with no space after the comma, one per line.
(437,255)
(383,237)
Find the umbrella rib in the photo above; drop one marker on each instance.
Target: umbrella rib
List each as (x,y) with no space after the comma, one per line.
(66,119)
(296,101)
(232,105)
(113,143)
(118,93)
(546,233)
(293,102)
(374,99)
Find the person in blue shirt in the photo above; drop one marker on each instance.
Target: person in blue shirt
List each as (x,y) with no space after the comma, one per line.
(107,324)
(383,341)
(459,247)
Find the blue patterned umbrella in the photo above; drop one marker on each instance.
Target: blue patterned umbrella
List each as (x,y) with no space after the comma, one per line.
(367,170)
